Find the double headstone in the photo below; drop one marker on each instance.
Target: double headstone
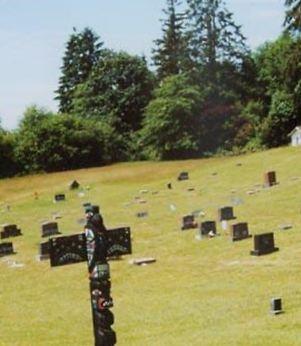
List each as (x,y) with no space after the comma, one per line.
(270,179)
(6,249)
(188,222)
(183,176)
(240,231)
(10,231)
(264,244)
(207,228)
(49,229)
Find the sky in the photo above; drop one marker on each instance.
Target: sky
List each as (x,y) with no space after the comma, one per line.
(33,34)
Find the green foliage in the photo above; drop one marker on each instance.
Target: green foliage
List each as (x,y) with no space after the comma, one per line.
(50,142)
(280,121)
(118,89)
(8,164)
(82,53)
(171,53)
(171,125)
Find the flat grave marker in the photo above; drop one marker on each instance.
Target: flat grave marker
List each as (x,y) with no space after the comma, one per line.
(263,244)
(240,231)
(59,197)
(142,214)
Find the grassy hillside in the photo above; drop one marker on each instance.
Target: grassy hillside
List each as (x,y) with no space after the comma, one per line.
(209,292)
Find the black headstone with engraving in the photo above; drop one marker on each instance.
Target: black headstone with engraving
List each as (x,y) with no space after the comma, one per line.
(240,231)
(119,242)
(68,250)
(183,176)
(59,197)
(206,227)
(225,214)
(270,179)
(49,228)
(6,249)
(264,244)
(188,222)
(10,231)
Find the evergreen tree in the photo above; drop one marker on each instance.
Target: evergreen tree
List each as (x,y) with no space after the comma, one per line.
(82,53)
(170,53)
(214,37)
(293,15)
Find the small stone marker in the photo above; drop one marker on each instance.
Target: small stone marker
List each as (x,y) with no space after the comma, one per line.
(141,214)
(263,244)
(59,197)
(191,189)
(169,186)
(183,176)
(74,185)
(143,191)
(240,231)
(10,231)
(270,179)
(119,242)
(142,261)
(225,213)
(6,249)
(276,306)
(49,228)
(206,227)
(87,204)
(44,251)
(188,222)
(285,227)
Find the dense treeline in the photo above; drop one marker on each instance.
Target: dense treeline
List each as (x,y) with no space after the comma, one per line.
(208,93)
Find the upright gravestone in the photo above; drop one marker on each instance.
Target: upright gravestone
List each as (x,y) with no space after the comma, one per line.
(59,197)
(169,186)
(207,227)
(74,185)
(188,222)
(270,179)
(44,251)
(6,249)
(225,214)
(240,231)
(264,244)
(183,176)
(49,229)
(10,231)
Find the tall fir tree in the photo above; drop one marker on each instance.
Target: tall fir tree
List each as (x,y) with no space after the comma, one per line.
(169,56)
(83,51)
(293,15)
(214,36)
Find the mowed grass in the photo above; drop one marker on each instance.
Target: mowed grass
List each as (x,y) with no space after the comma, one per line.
(209,292)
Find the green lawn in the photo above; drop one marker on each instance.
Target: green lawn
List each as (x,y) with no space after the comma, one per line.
(209,292)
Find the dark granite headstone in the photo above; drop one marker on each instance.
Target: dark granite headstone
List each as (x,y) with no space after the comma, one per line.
(74,185)
(59,197)
(119,242)
(169,186)
(183,176)
(276,306)
(6,249)
(225,214)
(44,251)
(49,228)
(10,231)
(264,244)
(240,231)
(270,179)
(206,227)
(68,250)
(87,204)
(188,222)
